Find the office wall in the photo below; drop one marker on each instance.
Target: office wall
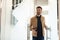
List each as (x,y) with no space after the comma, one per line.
(0,13)
(5,19)
(0,19)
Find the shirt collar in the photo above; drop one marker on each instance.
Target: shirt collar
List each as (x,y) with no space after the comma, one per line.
(38,15)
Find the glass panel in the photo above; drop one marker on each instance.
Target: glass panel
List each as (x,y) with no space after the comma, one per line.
(14,5)
(22,13)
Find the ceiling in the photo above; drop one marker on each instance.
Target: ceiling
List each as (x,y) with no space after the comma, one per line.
(41,2)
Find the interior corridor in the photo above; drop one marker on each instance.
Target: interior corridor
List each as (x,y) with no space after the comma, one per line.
(15,25)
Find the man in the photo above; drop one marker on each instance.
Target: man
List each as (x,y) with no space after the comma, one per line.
(37,25)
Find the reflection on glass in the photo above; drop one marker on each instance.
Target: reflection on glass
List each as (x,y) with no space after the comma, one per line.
(15,3)
(14,20)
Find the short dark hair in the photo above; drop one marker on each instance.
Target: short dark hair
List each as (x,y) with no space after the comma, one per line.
(39,7)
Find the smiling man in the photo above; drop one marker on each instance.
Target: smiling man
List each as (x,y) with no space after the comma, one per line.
(37,25)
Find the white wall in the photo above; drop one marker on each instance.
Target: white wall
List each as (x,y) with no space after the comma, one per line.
(0,19)
(5,19)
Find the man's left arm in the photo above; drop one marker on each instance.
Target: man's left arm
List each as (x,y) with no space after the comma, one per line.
(46,25)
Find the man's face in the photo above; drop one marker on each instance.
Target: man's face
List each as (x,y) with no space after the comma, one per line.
(39,10)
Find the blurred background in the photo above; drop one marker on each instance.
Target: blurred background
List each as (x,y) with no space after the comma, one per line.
(15,18)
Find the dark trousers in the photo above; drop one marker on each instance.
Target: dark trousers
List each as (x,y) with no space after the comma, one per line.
(40,38)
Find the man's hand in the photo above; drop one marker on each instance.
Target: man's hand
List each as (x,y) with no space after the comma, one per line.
(35,32)
(49,29)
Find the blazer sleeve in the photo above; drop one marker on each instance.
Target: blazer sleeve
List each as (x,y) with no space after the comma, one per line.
(45,24)
(31,24)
